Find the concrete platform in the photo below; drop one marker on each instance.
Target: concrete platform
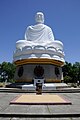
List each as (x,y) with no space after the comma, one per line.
(29,87)
(40,100)
(45,86)
(39,112)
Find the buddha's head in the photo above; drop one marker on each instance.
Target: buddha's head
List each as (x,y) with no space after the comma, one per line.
(39,17)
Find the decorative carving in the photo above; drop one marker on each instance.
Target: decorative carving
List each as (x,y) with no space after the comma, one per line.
(38,71)
(57,71)
(20,71)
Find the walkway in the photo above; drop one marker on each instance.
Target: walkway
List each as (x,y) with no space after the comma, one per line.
(44,112)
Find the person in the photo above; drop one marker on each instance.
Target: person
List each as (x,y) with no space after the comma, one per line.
(39,33)
(78,83)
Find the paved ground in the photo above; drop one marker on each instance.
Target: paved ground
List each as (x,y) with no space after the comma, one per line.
(35,110)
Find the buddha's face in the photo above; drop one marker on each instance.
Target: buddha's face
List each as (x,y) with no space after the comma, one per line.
(39,17)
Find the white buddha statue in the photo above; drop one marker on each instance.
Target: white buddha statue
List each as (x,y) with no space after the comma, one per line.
(39,42)
(39,34)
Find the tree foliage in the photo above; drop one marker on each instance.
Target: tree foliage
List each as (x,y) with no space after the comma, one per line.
(71,72)
(9,70)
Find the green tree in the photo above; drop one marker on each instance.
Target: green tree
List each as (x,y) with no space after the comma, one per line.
(67,79)
(67,68)
(9,69)
(71,72)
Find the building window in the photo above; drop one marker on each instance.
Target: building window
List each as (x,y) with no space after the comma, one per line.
(38,71)
(20,71)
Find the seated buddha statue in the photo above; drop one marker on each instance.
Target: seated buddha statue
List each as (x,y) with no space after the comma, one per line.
(39,33)
(39,42)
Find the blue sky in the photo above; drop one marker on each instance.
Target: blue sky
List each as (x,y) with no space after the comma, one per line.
(63,16)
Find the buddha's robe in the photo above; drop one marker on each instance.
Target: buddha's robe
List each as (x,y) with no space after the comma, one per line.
(39,34)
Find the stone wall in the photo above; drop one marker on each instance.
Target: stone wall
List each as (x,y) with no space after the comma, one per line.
(25,73)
